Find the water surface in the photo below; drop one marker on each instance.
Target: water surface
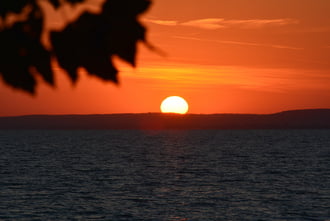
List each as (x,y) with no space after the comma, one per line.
(165,175)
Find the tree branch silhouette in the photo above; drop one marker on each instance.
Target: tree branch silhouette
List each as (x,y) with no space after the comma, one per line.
(89,42)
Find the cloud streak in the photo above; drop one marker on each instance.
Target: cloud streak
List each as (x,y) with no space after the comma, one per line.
(242,43)
(162,22)
(260,23)
(208,23)
(205,76)
(221,23)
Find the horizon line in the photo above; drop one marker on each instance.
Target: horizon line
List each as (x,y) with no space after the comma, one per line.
(160,113)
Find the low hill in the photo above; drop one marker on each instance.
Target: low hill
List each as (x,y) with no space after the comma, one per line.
(296,119)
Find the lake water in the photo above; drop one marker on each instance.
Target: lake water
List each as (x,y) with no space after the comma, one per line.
(165,175)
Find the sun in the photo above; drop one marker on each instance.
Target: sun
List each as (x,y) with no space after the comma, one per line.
(174,104)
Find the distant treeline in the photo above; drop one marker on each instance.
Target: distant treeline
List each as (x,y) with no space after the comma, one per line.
(296,119)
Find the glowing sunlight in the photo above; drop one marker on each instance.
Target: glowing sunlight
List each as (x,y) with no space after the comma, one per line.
(174,104)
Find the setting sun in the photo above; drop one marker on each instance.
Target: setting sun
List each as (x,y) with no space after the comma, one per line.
(174,104)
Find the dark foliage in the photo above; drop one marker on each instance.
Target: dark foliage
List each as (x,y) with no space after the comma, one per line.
(13,6)
(89,42)
(57,3)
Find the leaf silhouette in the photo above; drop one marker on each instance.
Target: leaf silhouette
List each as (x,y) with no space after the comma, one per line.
(89,42)
(81,44)
(23,56)
(124,31)
(57,3)
(13,6)
(92,40)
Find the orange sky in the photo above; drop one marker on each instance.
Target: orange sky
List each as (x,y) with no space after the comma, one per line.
(242,56)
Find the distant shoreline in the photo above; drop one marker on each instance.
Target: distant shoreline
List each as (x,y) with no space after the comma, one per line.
(295,119)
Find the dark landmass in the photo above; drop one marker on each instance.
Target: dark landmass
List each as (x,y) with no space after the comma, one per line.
(296,119)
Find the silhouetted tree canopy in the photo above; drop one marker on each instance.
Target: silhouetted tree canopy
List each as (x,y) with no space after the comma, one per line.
(89,42)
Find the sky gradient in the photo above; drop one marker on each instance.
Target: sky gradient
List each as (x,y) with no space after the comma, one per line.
(239,56)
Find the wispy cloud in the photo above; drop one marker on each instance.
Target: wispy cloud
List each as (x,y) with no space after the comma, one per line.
(220,23)
(259,23)
(208,23)
(242,43)
(205,76)
(162,22)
